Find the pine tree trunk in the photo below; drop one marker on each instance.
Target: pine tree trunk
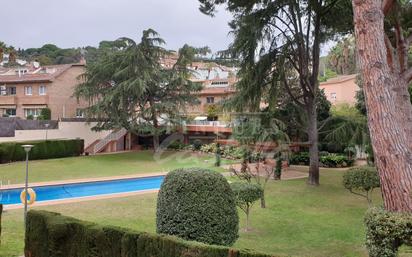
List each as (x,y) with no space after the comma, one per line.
(313,178)
(390,137)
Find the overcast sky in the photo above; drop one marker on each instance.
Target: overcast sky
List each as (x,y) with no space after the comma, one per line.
(73,23)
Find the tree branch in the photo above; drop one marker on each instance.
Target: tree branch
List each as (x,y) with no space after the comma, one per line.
(387,5)
(289,91)
(390,51)
(407,74)
(401,46)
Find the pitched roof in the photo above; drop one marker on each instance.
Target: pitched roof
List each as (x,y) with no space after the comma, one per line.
(37,76)
(339,79)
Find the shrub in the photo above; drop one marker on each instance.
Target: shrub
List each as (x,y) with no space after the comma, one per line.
(30,117)
(45,114)
(300,158)
(197,204)
(335,160)
(197,144)
(13,151)
(246,195)
(330,160)
(361,181)
(278,169)
(50,234)
(176,145)
(386,232)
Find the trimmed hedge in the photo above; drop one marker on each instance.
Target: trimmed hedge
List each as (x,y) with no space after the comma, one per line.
(53,235)
(330,160)
(13,151)
(197,204)
(387,231)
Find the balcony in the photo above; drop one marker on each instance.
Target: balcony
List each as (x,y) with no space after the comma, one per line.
(8,100)
(208,126)
(34,100)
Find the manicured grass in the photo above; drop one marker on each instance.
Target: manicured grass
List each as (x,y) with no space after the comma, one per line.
(299,220)
(103,166)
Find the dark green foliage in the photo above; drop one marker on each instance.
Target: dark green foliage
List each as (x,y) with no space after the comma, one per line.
(278,168)
(30,117)
(246,195)
(52,235)
(12,151)
(45,114)
(197,204)
(386,232)
(197,144)
(133,89)
(218,155)
(176,145)
(361,181)
(330,160)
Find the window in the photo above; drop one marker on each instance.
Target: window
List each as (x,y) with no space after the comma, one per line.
(210,99)
(31,112)
(79,113)
(11,112)
(12,90)
(42,90)
(28,90)
(333,96)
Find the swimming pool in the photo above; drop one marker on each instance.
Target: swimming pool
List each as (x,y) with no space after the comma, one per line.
(76,190)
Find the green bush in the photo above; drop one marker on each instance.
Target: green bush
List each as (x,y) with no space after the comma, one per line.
(13,151)
(197,144)
(361,181)
(45,114)
(330,160)
(299,158)
(52,235)
(386,232)
(176,145)
(246,195)
(335,160)
(197,204)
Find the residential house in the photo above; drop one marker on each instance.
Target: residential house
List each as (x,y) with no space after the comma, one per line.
(341,89)
(25,90)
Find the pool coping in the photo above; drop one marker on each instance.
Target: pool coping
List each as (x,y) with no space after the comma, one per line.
(80,199)
(83,180)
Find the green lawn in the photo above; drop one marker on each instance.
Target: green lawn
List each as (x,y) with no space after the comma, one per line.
(102,166)
(299,221)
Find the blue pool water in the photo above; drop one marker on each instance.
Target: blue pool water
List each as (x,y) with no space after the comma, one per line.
(57,192)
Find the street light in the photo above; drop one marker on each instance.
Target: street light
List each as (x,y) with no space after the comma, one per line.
(27,149)
(47,126)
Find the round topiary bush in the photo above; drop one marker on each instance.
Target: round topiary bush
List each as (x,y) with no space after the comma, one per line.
(197,204)
(361,181)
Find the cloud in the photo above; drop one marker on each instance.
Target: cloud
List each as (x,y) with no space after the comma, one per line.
(87,22)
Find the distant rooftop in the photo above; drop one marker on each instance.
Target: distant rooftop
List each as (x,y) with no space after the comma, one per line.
(339,79)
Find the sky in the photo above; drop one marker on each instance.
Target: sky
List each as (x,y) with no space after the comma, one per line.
(74,23)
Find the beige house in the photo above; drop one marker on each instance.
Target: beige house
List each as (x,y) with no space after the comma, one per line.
(341,89)
(24,91)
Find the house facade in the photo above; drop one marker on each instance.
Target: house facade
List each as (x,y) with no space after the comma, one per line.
(24,91)
(341,89)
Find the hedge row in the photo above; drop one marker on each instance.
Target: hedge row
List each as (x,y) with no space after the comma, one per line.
(329,160)
(13,151)
(52,235)
(387,231)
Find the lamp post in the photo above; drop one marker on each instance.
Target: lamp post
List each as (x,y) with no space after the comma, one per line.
(47,126)
(27,149)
